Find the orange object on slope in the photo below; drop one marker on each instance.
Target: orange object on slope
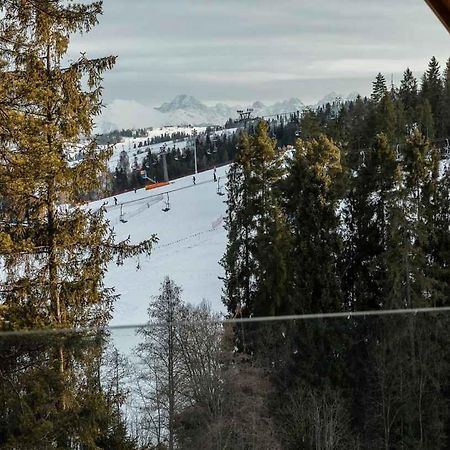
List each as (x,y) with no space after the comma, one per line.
(156,185)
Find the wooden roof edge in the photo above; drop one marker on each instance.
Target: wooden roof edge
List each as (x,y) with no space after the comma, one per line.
(442,10)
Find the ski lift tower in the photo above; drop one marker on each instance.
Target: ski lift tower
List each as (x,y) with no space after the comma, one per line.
(244,116)
(192,141)
(163,154)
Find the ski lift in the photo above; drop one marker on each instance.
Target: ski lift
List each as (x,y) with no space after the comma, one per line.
(144,176)
(166,204)
(123,217)
(219,188)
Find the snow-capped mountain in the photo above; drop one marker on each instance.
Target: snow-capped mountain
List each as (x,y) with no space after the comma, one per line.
(188,110)
(352,96)
(291,105)
(182,102)
(185,109)
(330,98)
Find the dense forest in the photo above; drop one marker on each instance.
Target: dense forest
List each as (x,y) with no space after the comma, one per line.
(354,218)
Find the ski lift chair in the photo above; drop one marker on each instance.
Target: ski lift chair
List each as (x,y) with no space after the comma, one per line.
(123,217)
(219,188)
(166,207)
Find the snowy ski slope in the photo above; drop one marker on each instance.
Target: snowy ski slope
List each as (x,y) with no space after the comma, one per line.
(192,240)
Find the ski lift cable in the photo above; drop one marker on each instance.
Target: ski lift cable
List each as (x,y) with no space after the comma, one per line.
(138,211)
(43,248)
(155,195)
(398,145)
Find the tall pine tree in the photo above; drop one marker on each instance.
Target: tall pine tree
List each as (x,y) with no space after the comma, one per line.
(54,253)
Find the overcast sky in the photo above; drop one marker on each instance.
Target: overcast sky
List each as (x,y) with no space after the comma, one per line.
(239,51)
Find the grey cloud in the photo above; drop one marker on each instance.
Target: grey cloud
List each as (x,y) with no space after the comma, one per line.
(259,49)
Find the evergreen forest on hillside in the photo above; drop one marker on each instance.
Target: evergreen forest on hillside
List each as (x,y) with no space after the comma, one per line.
(341,210)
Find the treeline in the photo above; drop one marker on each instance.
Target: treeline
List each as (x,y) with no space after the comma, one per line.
(115,136)
(395,110)
(356,219)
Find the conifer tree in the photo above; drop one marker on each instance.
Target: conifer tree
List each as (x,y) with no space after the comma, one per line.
(379,88)
(432,84)
(386,118)
(445,101)
(238,260)
(254,222)
(311,192)
(425,118)
(54,252)
(408,95)
(61,250)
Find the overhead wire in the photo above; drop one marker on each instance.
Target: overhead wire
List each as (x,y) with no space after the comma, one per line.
(231,321)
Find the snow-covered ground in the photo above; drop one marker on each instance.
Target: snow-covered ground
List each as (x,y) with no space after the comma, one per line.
(192,240)
(141,152)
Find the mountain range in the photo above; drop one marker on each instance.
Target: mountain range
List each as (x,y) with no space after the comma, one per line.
(185,109)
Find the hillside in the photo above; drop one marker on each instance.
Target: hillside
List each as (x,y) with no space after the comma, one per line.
(191,242)
(131,145)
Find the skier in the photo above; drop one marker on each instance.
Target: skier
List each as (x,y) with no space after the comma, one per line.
(193,179)
(115,200)
(215,176)
(135,190)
